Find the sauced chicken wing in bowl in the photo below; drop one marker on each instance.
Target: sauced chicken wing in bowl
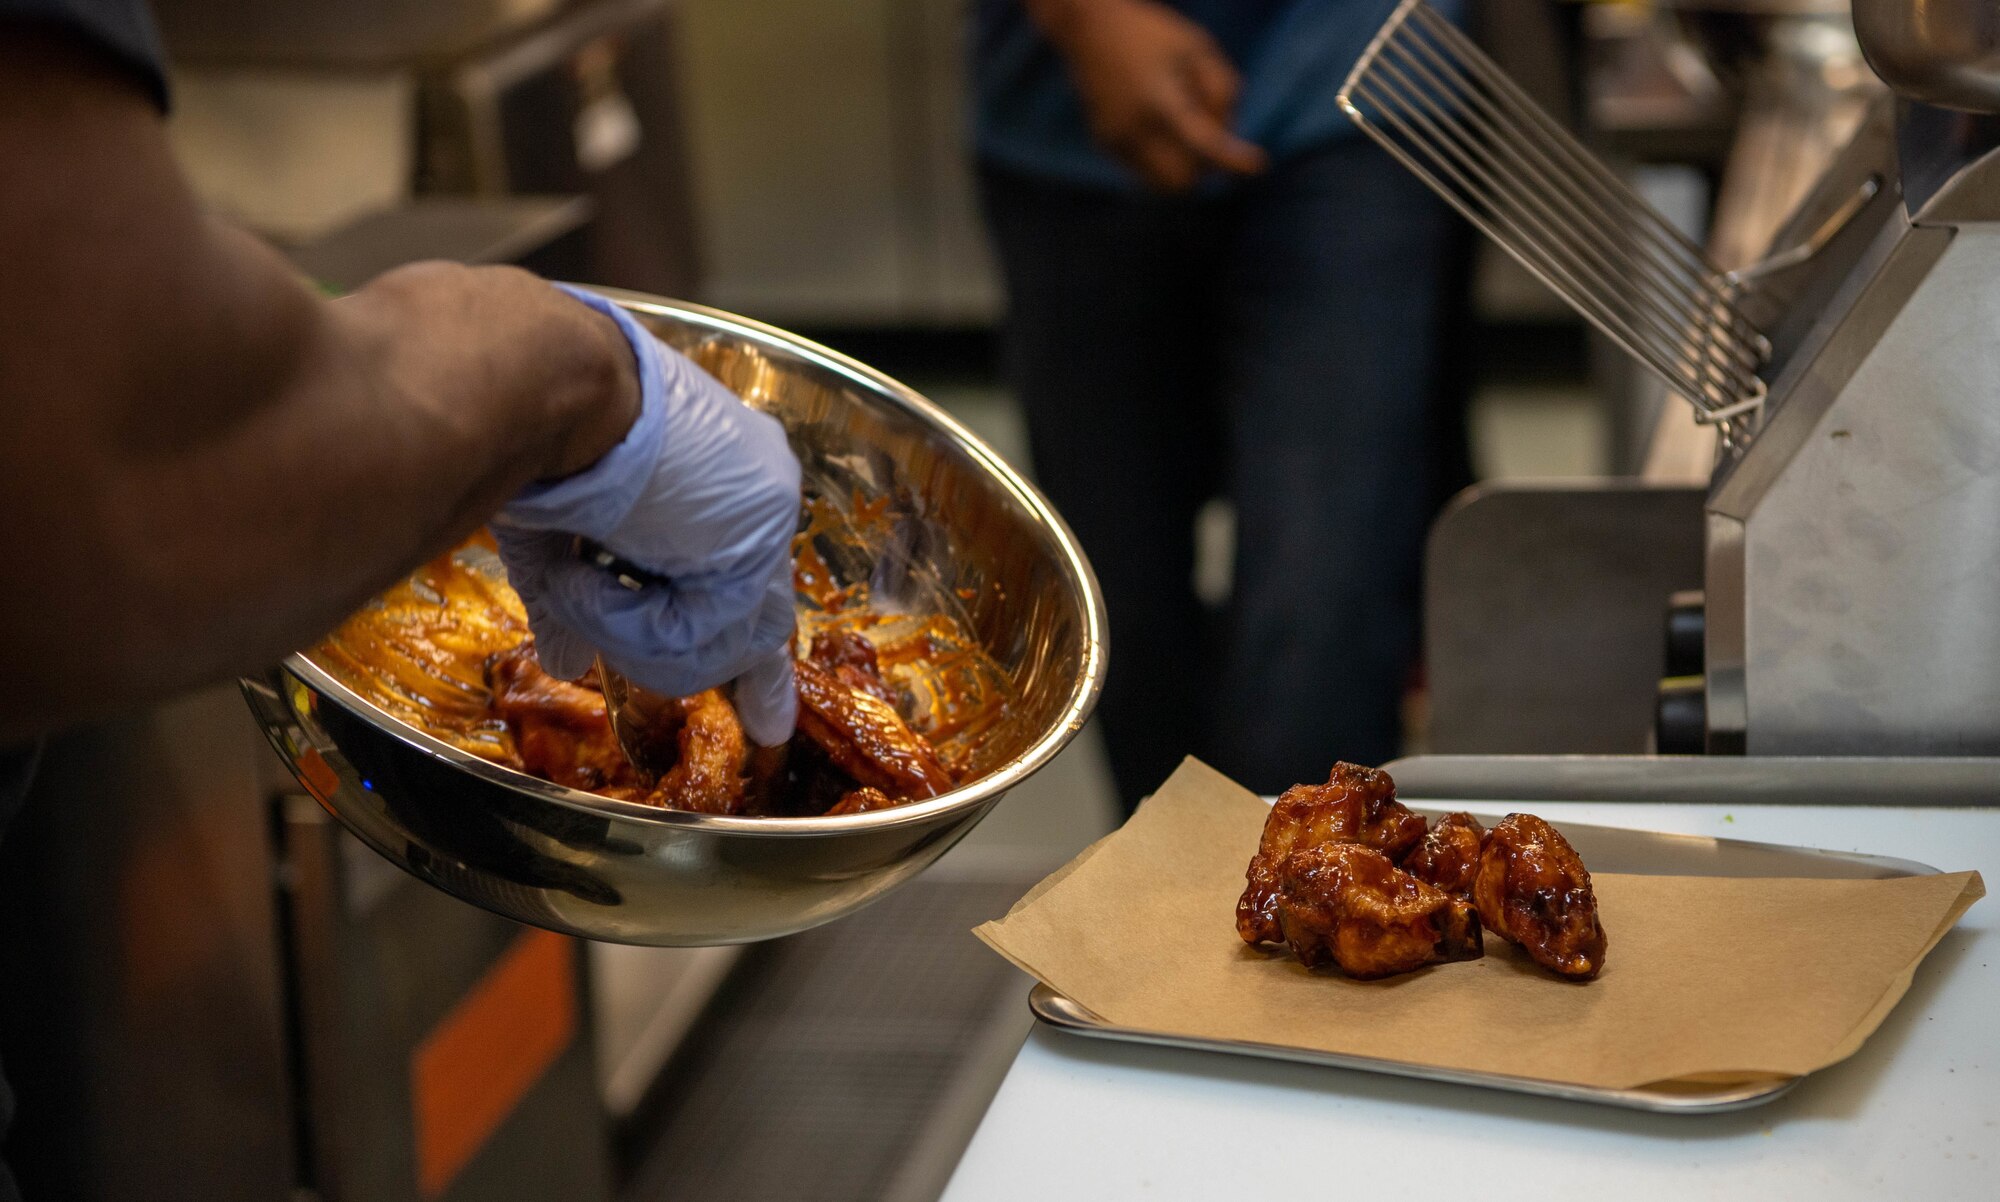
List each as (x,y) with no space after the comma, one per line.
(861,726)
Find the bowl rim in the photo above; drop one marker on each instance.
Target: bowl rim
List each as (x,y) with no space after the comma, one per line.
(1083,694)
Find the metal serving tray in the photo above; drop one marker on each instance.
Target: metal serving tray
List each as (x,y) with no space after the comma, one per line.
(1605,849)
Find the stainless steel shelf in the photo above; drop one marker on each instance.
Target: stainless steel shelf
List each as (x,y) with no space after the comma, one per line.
(1703,780)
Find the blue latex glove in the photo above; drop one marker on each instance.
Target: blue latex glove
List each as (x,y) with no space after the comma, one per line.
(704,492)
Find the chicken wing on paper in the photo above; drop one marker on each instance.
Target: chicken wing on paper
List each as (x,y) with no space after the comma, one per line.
(1532,889)
(1355,805)
(1347,903)
(1448,855)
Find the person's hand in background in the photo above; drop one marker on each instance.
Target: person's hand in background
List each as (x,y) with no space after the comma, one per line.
(1158,90)
(704,492)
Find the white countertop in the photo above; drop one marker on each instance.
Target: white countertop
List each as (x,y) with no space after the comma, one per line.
(1914,1114)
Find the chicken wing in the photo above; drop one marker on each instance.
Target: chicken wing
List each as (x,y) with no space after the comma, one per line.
(852,660)
(861,801)
(1532,889)
(420,650)
(561,730)
(708,775)
(865,737)
(1347,903)
(1448,855)
(1355,805)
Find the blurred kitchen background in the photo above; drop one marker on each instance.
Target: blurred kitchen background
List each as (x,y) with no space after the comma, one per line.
(805,163)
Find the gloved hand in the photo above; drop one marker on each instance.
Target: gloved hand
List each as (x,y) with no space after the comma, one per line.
(703,492)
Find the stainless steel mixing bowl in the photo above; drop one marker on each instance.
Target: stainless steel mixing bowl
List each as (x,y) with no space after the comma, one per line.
(962,531)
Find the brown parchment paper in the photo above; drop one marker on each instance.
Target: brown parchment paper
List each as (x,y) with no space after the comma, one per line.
(1707,980)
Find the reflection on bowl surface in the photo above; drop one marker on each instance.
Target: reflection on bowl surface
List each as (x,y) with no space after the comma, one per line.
(929,522)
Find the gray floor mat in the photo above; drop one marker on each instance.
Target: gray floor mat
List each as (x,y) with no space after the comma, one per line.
(822,1069)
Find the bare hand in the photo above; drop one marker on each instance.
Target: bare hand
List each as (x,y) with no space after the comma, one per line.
(1156,87)
(446,329)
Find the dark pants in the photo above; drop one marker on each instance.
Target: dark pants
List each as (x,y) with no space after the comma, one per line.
(1279,345)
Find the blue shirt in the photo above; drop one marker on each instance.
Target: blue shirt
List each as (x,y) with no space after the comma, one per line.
(1293,56)
(123,29)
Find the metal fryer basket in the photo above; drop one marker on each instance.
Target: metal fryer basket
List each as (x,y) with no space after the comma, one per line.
(1436,102)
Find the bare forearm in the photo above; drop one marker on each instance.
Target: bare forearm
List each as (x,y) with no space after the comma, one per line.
(399,424)
(205,464)
(1058,18)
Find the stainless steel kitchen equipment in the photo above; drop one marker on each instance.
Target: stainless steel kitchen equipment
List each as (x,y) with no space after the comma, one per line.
(827,143)
(1790,780)
(1064,1014)
(963,531)
(347,35)
(1943,52)
(1427,94)
(441,118)
(590,103)
(214,992)
(1849,526)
